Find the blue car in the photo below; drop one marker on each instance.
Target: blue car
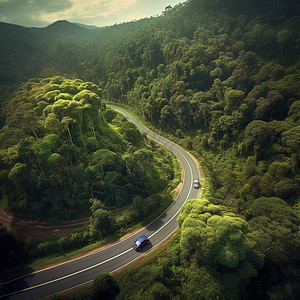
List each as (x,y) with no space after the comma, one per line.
(140,242)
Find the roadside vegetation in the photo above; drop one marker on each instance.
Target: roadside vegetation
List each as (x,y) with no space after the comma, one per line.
(64,155)
(222,78)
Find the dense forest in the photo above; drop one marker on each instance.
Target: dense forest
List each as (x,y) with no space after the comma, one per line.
(57,151)
(65,155)
(222,78)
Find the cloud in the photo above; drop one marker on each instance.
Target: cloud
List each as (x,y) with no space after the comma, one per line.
(27,12)
(89,9)
(41,13)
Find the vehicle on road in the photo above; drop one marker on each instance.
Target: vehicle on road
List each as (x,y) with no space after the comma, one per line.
(196,184)
(140,242)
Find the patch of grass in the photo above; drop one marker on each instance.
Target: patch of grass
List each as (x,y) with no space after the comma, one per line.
(177,174)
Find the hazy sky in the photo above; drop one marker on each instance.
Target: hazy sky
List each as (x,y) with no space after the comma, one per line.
(40,13)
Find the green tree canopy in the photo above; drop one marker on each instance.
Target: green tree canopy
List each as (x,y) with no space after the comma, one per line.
(104,287)
(273,228)
(213,233)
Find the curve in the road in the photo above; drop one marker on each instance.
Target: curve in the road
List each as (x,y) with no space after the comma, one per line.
(84,269)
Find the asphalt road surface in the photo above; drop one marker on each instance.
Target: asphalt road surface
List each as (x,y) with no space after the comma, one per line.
(84,269)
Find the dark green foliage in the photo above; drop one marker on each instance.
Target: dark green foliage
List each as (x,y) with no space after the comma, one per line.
(63,152)
(257,137)
(200,283)
(48,169)
(223,76)
(11,252)
(104,287)
(274,228)
(56,149)
(230,78)
(101,222)
(131,133)
(218,238)
(215,235)
(169,277)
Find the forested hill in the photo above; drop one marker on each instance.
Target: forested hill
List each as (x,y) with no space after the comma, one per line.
(57,151)
(92,54)
(223,77)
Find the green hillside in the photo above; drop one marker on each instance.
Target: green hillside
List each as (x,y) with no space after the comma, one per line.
(58,151)
(222,78)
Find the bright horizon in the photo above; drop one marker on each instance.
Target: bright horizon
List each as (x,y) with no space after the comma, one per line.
(40,13)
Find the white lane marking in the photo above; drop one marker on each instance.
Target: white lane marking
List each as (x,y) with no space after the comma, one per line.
(63,263)
(67,276)
(179,149)
(76,286)
(168,145)
(69,261)
(182,203)
(42,270)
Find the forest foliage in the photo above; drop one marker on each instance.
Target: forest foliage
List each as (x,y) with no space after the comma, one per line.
(222,77)
(65,155)
(58,151)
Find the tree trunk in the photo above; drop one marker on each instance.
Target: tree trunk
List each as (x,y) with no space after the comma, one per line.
(70,136)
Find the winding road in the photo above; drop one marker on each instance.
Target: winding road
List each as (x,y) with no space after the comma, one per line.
(84,269)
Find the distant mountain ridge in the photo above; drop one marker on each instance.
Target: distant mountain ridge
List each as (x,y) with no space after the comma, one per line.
(26,51)
(59,24)
(66,27)
(75,49)
(88,26)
